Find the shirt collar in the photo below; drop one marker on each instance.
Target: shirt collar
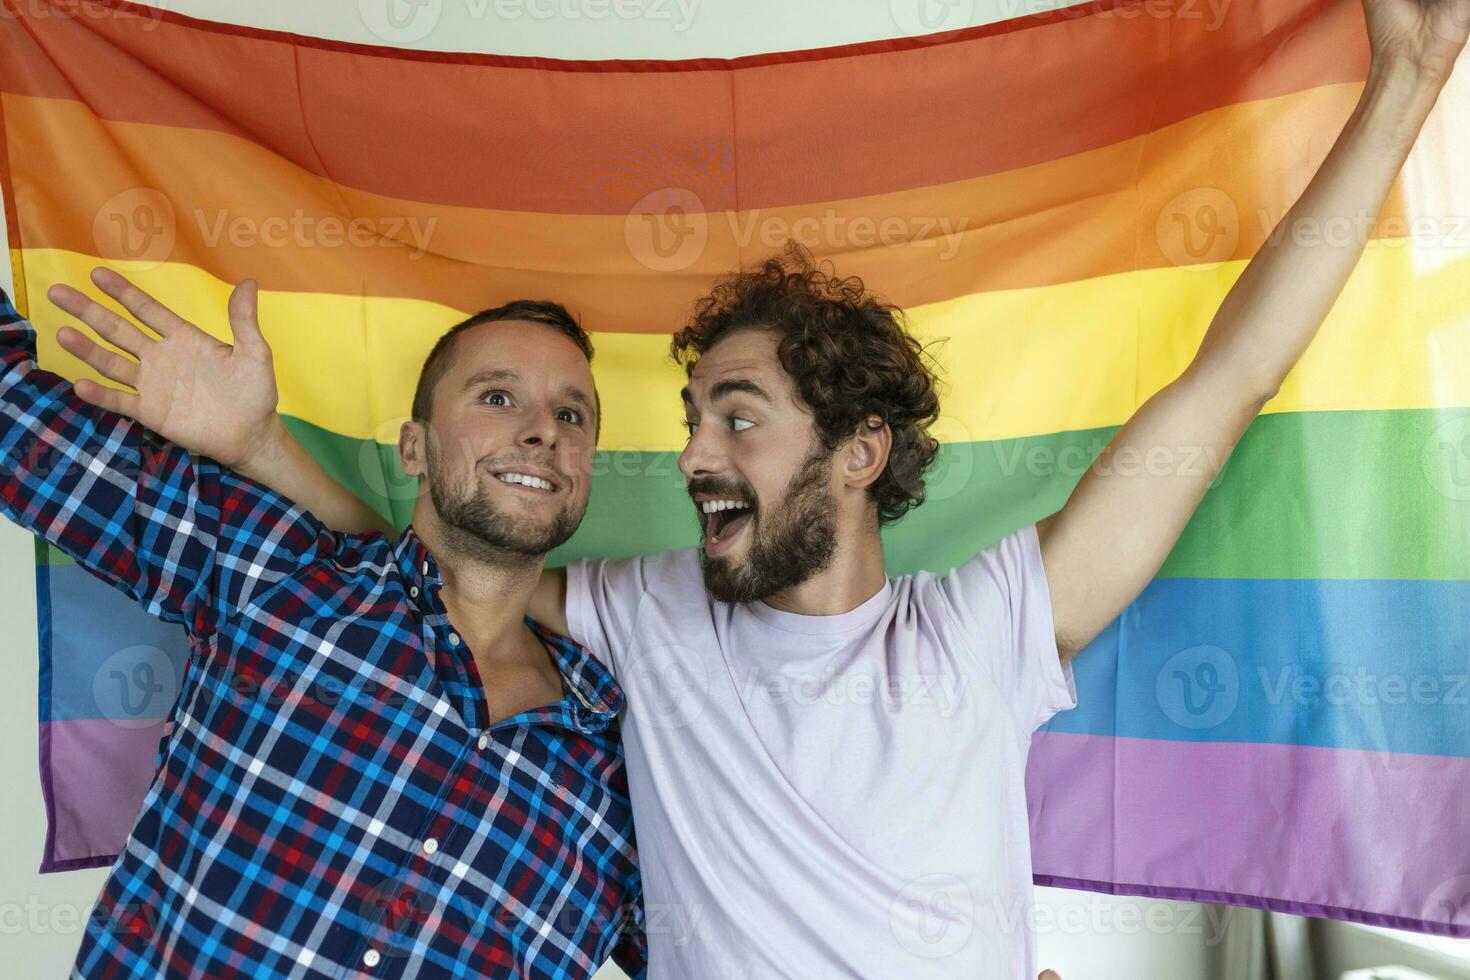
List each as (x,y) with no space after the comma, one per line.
(415,563)
(598,697)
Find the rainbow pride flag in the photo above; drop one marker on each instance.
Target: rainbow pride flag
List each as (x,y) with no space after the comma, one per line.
(1281,720)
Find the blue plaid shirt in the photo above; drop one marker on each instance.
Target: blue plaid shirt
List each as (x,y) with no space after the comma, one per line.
(332,799)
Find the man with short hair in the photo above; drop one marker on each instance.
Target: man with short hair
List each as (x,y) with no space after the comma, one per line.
(378,764)
(827,763)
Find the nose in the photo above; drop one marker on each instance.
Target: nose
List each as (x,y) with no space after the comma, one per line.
(539,430)
(700,456)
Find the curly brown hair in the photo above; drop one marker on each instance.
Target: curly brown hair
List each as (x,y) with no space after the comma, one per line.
(847,352)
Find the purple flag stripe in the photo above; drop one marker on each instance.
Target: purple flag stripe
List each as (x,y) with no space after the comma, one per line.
(95,774)
(1353,834)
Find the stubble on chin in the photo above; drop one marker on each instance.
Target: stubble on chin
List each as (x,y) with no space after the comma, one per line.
(474,525)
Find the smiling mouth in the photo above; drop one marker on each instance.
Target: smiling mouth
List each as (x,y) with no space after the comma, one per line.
(527,482)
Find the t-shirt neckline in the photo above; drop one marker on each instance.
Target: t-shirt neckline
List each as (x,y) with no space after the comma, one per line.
(860,615)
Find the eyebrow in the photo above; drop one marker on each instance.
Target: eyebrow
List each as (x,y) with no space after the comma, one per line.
(731,386)
(571,392)
(576,395)
(489,377)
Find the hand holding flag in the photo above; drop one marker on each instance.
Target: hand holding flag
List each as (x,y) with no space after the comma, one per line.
(1427,35)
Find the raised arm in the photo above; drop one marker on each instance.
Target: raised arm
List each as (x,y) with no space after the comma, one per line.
(212,398)
(220,400)
(1120,523)
(184,538)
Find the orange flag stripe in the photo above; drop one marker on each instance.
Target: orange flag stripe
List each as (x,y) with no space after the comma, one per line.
(1199,191)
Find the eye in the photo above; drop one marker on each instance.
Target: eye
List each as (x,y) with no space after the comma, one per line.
(691,426)
(489,398)
(739,424)
(569,415)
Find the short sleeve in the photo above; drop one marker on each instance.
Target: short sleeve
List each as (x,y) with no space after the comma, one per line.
(1001,604)
(602,604)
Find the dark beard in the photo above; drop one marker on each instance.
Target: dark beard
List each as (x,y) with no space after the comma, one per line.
(790,541)
(474,526)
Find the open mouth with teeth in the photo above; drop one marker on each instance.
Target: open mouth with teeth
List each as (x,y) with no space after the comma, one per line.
(724,520)
(527,482)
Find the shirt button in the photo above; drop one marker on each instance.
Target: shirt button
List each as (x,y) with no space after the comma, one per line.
(454,639)
(426,568)
(431,845)
(414,591)
(371,958)
(484,742)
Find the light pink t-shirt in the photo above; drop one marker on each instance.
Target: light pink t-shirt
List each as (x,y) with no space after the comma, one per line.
(831,796)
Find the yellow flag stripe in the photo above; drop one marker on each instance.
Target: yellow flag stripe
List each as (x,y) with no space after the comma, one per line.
(1015,362)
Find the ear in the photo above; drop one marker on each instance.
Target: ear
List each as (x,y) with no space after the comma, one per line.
(412,454)
(866,454)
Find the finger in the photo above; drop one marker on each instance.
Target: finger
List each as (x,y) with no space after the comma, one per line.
(115,329)
(147,309)
(121,402)
(244,316)
(108,363)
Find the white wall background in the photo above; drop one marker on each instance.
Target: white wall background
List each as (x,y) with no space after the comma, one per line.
(1084,936)
(613,28)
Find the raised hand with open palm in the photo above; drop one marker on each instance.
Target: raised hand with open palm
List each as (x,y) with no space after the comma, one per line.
(209,397)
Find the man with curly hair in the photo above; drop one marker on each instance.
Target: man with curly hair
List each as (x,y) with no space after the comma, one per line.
(827,763)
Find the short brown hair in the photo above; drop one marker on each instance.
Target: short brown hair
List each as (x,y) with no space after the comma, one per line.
(532,310)
(847,352)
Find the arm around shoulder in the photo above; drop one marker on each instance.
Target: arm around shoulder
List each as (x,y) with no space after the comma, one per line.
(549,600)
